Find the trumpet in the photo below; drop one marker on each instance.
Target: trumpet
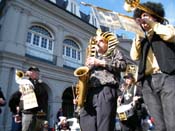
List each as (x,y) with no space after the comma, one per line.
(20,73)
(131,5)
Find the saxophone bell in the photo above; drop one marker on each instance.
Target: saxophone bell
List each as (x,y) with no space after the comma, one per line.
(81,71)
(83,74)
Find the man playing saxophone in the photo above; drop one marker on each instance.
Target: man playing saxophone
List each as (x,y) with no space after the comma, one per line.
(99,111)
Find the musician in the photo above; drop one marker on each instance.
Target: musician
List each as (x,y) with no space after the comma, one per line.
(31,116)
(156,53)
(130,93)
(99,111)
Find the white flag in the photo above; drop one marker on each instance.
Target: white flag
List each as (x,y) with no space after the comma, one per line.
(115,20)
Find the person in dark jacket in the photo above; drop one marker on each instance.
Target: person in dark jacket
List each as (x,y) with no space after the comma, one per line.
(16,114)
(99,111)
(156,55)
(32,118)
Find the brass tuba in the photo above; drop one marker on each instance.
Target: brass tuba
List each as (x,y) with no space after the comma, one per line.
(131,5)
(83,74)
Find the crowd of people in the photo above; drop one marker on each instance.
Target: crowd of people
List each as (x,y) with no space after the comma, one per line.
(149,97)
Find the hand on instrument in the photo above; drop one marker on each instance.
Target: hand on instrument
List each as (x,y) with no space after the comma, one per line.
(92,61)
(119,99)
(146,21)
(135,98)
(28,73)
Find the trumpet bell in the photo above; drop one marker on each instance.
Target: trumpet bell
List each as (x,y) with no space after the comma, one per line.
(133,3)
(130,5)
(19,73)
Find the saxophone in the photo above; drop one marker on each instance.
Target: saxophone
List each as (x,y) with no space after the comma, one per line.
(83,74)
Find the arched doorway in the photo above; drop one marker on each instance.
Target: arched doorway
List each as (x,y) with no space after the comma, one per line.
(67,104)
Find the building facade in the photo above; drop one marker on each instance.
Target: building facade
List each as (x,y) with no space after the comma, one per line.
(50,34)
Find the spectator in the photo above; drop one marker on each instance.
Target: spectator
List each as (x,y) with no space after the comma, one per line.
(59,113)
(63,125)
(45,126)
(16,114)
(2,99)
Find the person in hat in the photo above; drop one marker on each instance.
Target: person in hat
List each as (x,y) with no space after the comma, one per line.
(45,126)
(33,118)
(130,94)
(100,107)
(156,55)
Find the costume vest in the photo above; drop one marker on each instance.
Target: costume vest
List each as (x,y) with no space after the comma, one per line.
(164,53)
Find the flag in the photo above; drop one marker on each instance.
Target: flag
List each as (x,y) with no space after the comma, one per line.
(115,20)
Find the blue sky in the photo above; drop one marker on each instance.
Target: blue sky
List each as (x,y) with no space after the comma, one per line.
(117,5)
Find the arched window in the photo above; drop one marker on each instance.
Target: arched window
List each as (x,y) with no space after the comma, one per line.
(71,53)
(40,42)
